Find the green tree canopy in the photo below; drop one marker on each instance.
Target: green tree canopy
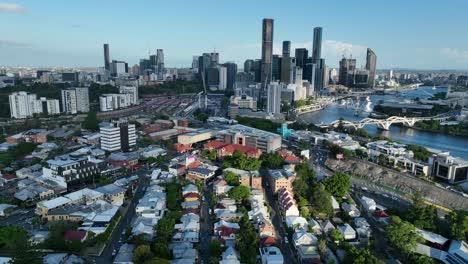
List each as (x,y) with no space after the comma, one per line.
(272,160)
(239,160)
(231,178)
(240,192)
(91,122)
(421,215)
(458,221)
(402,235)
(360,256)
(320,200)
(142,254)
(338,184)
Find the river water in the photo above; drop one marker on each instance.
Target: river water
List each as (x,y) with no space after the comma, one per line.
(457,145)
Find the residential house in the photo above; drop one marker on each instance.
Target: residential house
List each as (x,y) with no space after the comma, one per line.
(351,209)
(347,231)
(230,256)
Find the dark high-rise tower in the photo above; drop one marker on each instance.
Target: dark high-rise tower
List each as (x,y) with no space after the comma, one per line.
(317,45)
(231,69)
(276,68)
(286,48)
(301,57)
(106,57)
(267,51)
(371,65)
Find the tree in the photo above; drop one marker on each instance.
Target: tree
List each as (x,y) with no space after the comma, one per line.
(321,200)
(247,241)
(160,249)
(240,192)
(360,256)
(91,122)
(336,236)
(272,160)
(239,160)
(402,234)
(11,237)
(322,248)
(200,116)
(304,181)
(305,212)
(419,259)
(165,228)
(231,178)
(422,215)
(338,184)
(142,254)
(215,249)
(458,221)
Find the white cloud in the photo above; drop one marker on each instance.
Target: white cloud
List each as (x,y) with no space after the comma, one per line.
(454,54)
(11,8)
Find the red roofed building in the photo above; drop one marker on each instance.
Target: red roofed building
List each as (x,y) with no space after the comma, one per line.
(6,178)
(194,165)
(289,157)
(268,241)
(250,152)
(225,149)
(181,148)
(75,235)
(191,197)
(214,145)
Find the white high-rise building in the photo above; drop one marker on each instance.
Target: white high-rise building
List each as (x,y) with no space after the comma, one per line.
(132,90)
(75,100)
(222,78)
(274,98)
(69,101)
(111,102)
(24,105)
(82,99)
(117,136)
(50,106)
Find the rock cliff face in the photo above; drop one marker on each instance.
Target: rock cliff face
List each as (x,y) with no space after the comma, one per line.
(399,181)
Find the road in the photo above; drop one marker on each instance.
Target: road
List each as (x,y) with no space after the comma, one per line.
(286,248)
(206,225)
(115,239)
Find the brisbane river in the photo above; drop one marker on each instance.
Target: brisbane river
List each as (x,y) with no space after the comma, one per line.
(457,145)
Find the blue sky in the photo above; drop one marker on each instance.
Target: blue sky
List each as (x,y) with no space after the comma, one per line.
(423,34)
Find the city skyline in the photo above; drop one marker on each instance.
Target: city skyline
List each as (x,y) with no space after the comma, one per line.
(48,34)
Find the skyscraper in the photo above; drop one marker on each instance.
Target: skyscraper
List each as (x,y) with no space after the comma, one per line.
(267,50)
(274,98)
(317,45)
(371,64)
(286,48)
(214,58)
(231,68)
(346,73)
(301,57)
(288,65)
(276,68)
(106,57)
(248,65)
(319,63)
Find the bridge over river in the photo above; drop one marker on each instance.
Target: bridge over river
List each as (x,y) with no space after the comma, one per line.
(385,123)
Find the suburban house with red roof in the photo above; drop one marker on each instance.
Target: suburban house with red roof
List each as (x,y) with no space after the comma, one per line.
(226,149)
(75,235)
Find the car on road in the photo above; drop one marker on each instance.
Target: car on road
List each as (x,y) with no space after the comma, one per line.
(286,241)
(114,252)
(385,195)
